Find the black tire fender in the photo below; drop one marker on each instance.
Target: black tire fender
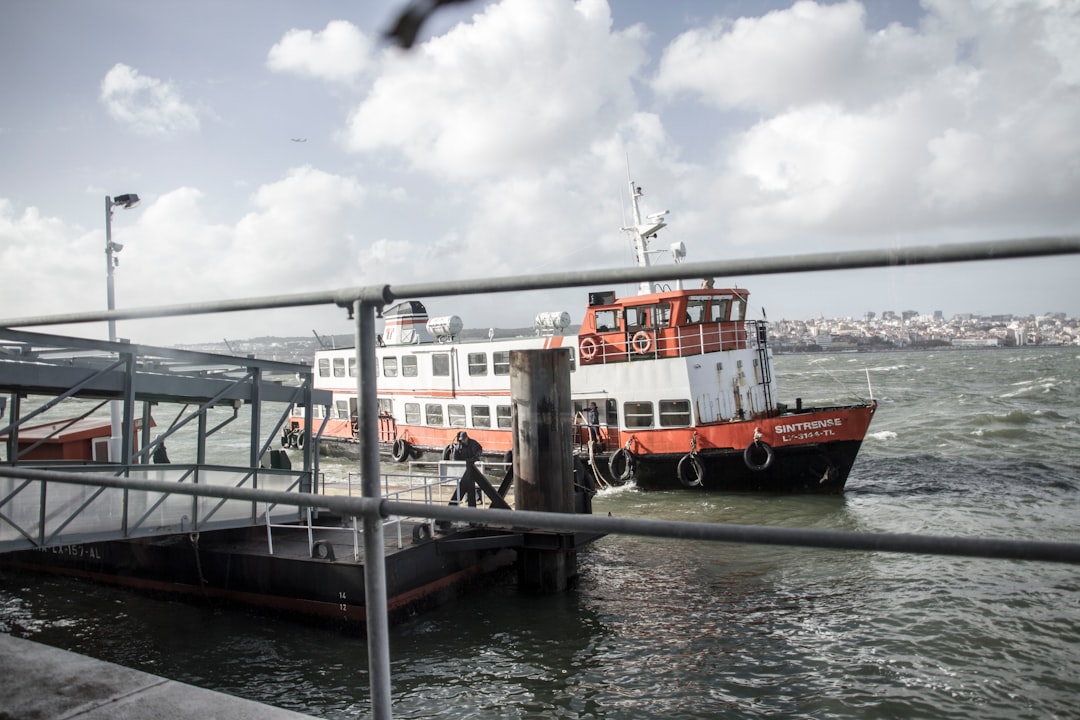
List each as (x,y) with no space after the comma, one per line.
(621,465)
(691,471)
(401,450)
(758,456)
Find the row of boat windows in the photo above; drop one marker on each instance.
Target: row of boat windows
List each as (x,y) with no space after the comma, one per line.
(479,364)
(636,414)
(699,309)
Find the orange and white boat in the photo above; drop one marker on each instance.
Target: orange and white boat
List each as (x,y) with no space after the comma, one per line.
(682,382)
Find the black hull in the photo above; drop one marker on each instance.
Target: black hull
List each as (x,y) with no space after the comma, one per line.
(815,469)
(233,566)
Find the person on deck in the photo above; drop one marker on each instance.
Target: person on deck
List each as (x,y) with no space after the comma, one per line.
(161,456)
(466,449)
(592,418)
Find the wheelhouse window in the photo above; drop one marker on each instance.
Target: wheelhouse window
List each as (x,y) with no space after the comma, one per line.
(738,310)
(501,362)
(481,416)
(433,414)
(638,414)
(478,364)
(389,366)
(324,367)
(339,367)
(456,413)
(440,364)
(503,416)
(720,307)
(674,413)
(412,413)
(408,366)
(607,320)
(697,309)
(662,314)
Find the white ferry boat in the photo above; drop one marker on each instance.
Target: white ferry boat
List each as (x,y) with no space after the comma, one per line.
(681,379)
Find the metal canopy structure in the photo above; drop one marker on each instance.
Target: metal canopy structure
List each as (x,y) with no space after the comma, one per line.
(53,388)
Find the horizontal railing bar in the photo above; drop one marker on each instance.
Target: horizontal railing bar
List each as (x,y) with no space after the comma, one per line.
(384,294)
(988,548)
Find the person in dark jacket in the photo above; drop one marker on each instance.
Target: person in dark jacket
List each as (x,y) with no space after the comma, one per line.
(161,456)
(592,418)
(465,448)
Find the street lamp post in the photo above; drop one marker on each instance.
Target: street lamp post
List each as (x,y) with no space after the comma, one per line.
(126,201)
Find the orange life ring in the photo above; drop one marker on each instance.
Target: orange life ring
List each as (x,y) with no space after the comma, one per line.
(641,342)
(589,346)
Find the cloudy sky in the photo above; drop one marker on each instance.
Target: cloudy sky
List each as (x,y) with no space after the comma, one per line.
(499,145)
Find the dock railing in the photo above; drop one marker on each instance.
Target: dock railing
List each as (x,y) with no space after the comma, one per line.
(363,303)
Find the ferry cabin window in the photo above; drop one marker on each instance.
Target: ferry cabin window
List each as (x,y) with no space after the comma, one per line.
(719,309)
(433,414)
(502,416)
(339,367)
(352,366)
(607,320)
(696,308)
(456,414)
(662,314)
(408,366)
(674,413)
(738,310)
(638,414)
(481,416)
(386,406)
(342,407)
(501,362)
(324,367)
(440,364)
(389,366)
(478,364)
(412,413)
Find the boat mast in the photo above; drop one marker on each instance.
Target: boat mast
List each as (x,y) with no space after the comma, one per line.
(643,232)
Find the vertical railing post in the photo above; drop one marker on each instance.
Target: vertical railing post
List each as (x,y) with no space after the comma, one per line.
(378,624)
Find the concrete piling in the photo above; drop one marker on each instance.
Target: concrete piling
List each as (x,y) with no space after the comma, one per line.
(543,458)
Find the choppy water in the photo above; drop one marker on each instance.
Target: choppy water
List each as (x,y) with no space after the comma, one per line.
(965,442)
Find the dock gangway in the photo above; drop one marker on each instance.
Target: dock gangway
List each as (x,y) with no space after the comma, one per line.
(106,409)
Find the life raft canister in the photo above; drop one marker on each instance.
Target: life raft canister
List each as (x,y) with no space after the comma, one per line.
(758,455)
(641,342)
(401,450)
(691,471)
(621,465)
(588,347)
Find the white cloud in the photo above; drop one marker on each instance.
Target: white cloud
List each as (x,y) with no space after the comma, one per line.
(36,250)
(959,123)
(339,54)
(806,54)
(148,105)
(527,84)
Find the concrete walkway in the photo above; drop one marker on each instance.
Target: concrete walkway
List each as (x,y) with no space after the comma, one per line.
(43,683)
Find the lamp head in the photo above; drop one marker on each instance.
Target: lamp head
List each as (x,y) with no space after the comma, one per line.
(128,200)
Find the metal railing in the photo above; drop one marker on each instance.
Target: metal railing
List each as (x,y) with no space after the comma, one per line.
(363,304)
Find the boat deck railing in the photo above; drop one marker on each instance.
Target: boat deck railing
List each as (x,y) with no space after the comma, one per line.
(363,303)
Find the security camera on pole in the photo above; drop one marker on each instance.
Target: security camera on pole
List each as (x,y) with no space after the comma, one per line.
(126,201)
